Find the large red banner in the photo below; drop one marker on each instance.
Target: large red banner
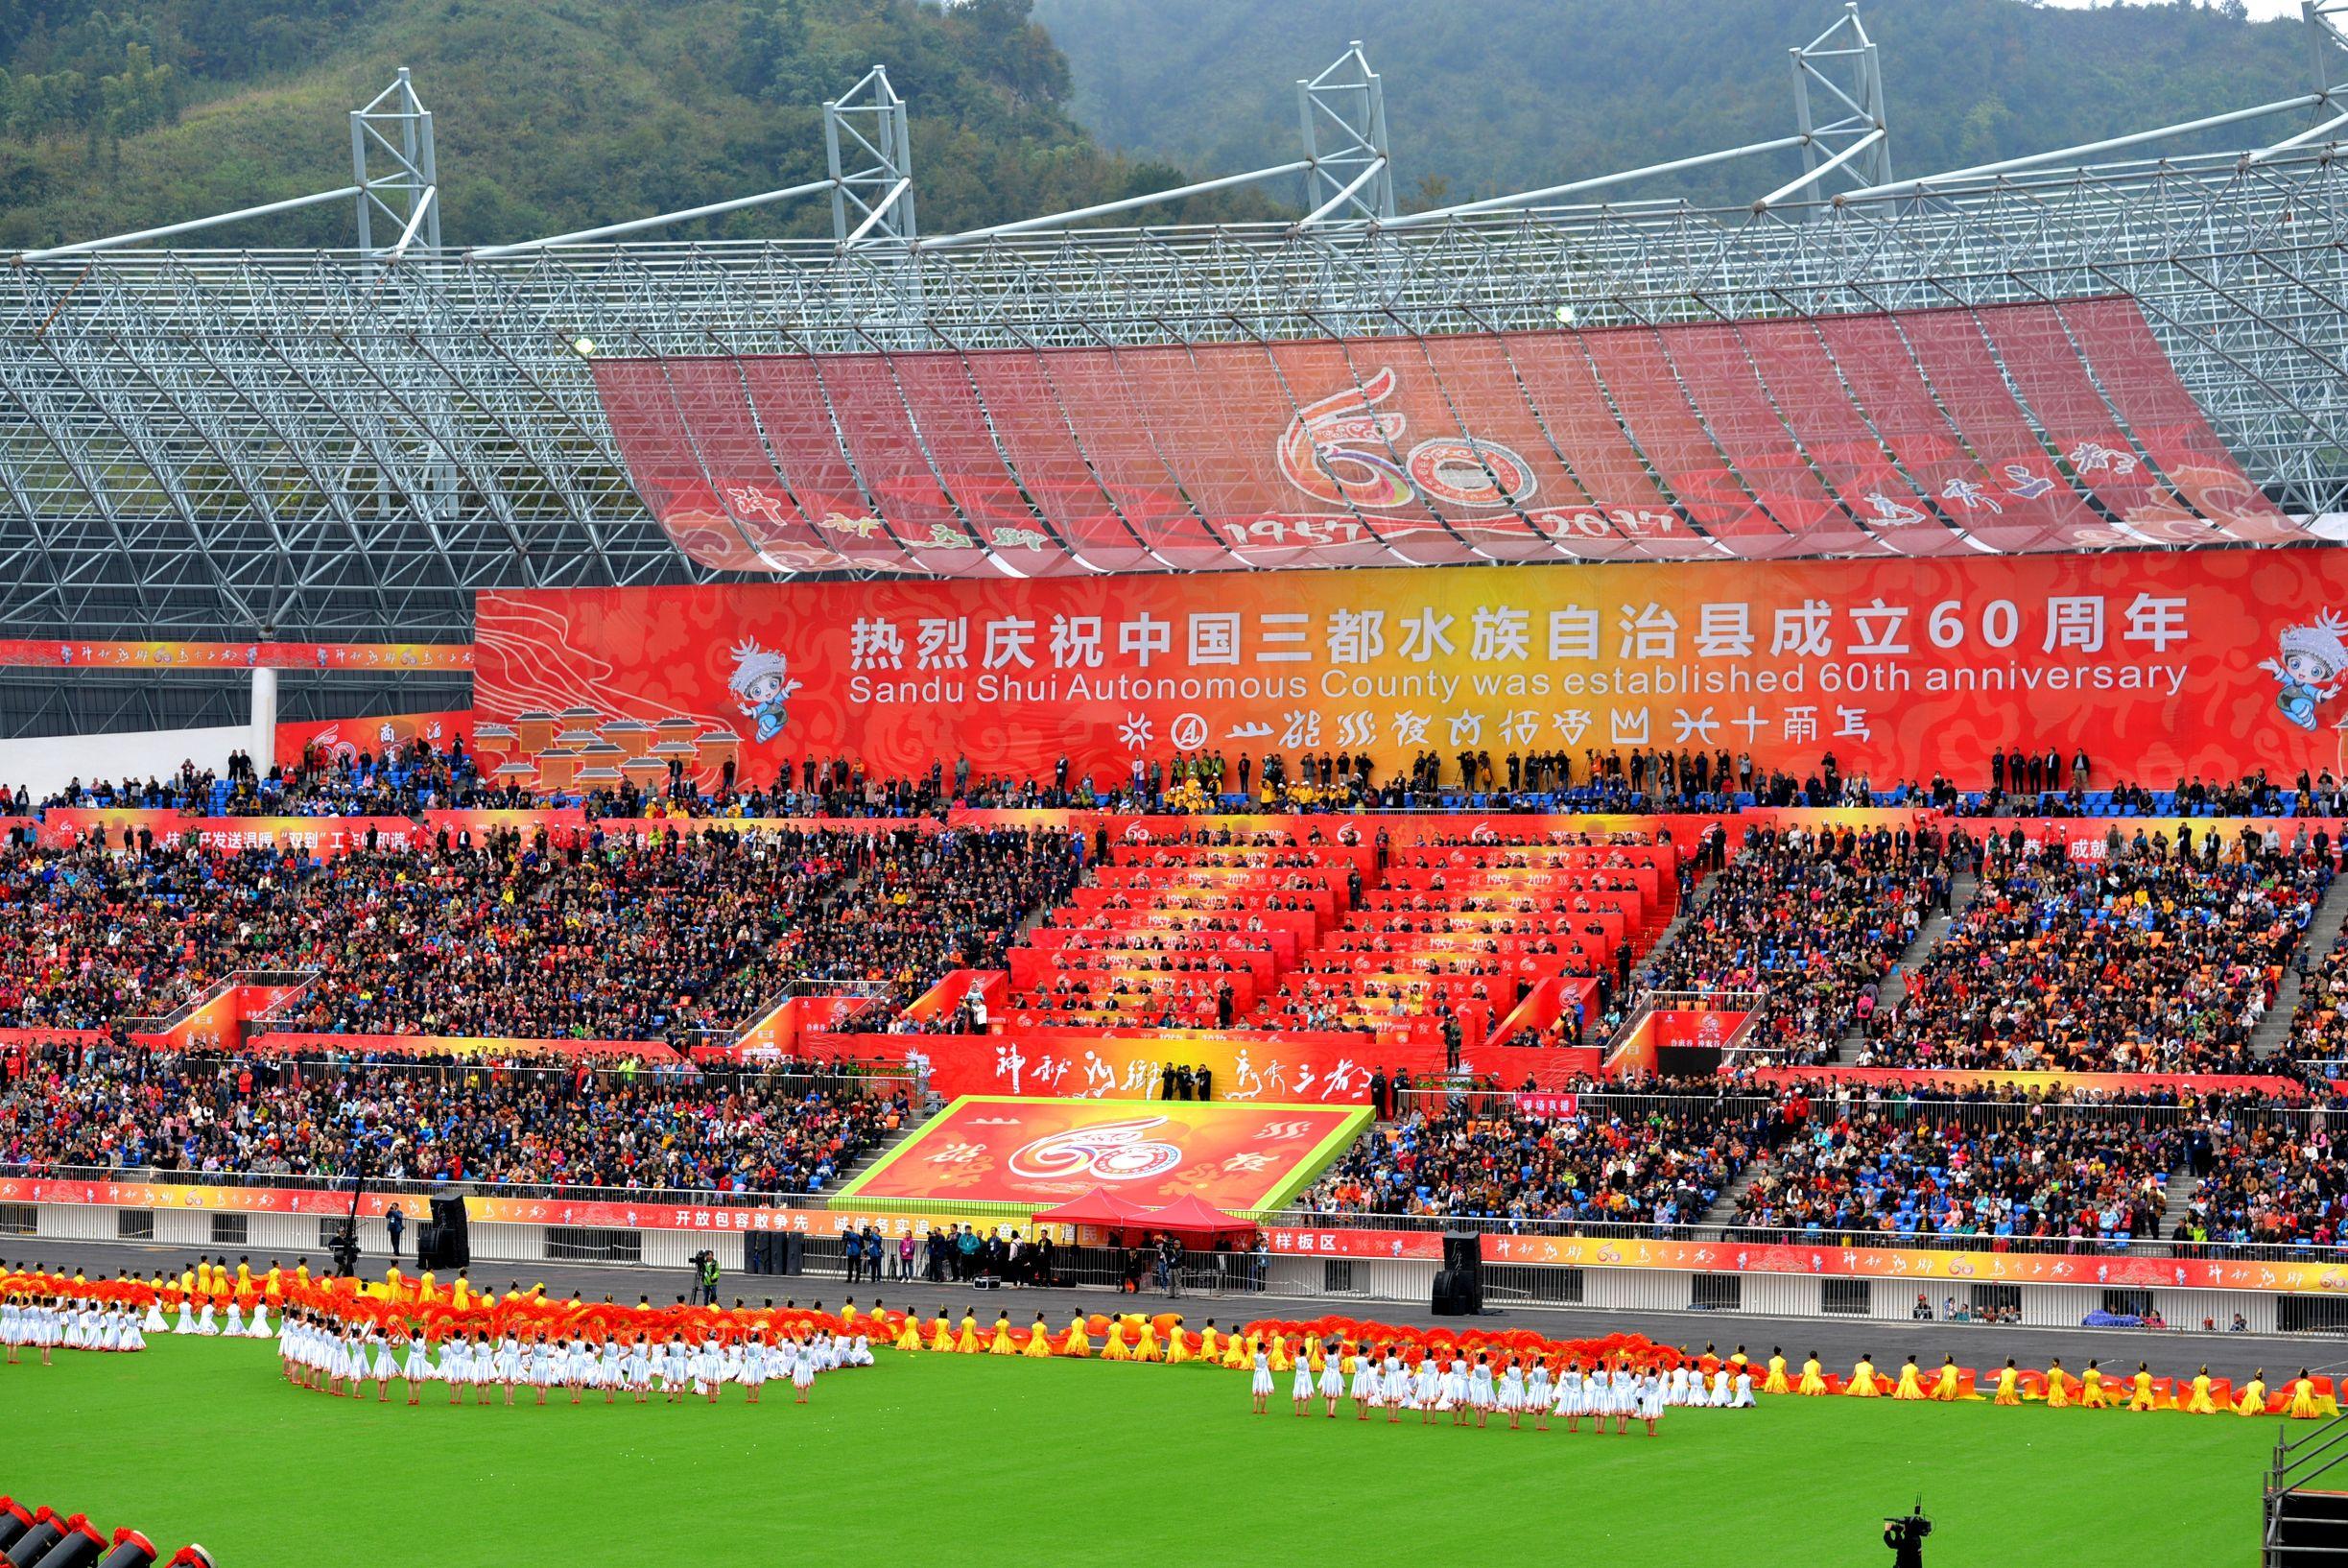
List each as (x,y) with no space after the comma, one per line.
(343,740)
(1881,434)
(1324,1067)
(62,827)
(1038,1153)
(2159,667)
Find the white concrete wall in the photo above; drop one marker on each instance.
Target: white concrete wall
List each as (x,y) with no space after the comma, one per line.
(44,765)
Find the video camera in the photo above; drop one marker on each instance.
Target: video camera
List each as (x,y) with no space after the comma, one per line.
(345,1250)
(1905,1536)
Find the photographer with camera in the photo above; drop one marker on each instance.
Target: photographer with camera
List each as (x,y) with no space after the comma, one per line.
(1905,1537)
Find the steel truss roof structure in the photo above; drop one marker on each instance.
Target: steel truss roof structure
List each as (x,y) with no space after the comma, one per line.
(353,442)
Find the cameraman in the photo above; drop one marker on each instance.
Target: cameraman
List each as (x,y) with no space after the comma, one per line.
(1905,1539)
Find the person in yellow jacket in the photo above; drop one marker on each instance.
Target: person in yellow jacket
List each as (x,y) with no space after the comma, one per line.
(999,1342)
(1115,1348)
(1911,1381)
(1210,1345)
(2304,1404)
(1146,1347)
(2199,1402)
(848,1316)
(942,1336)
(2141,1396)
(2059,1386)
(1078,1341)
(2009,1385)
(909,1335)
(966,1337)
(2253,1401)
(2090,1388)
(1178,1342)
(1862,1384)
(1813,1377)
(1776,1382)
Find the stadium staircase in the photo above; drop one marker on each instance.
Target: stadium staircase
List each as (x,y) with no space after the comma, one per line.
(2182,1185)
(1894,988)
(2274,1029)
(2306,1523)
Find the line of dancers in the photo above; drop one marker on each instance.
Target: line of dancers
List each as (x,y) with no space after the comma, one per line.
(1471,1393)
(47,1323)
(340,1356)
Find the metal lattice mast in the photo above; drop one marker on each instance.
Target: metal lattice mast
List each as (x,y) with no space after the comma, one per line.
(395,128)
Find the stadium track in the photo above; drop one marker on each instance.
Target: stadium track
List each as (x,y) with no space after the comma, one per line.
(1838,1341)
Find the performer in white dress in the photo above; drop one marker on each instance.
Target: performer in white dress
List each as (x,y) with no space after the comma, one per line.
(1368,1390)
(803,1375)
(1480,1395)
(1300,1385)
(1332,1377)
(1510,1398)
(187,1320)
(1259,1386)
(1537,1394)
(1650,1399)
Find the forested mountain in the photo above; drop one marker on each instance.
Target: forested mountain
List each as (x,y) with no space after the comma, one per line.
(549,114)
(555,114)
(1489,96)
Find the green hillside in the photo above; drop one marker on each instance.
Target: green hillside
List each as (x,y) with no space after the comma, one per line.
(1504,95)
(549,114)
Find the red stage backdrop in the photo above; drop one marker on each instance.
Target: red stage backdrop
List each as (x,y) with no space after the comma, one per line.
(348,737)
(990,1150)
(1933,432)
(2158,666)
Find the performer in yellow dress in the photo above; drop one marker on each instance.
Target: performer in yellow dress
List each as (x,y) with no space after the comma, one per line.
(1178,1342)
(1210,1347)
(1238,1353)
(999,1342)
(1776,1382)
(1813,1377)
(2253,1401)
(2141,1396)
(1945,1382)
(1075,1341)
(1146,1347)
(2059,1386)
(1911,1382)
(2304,1404)
(1862,1381)
(2199,1403)
(909,1337)
(1281,1360)
(1115,1348)
(1039,1340)
(2009,1391)
(2090,1388)
(942,1339)
(966,1342)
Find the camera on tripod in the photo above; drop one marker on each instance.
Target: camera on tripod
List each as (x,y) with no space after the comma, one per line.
(345,1252)
(1905,1536)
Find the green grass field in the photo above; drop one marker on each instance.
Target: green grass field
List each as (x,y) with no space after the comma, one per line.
(978,1459)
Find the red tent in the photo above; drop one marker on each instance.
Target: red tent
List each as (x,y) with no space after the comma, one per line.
(1193,1216)
(1098,1207)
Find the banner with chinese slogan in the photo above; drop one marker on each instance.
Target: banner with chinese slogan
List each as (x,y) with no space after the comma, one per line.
(1098,1063)
(62,827)
(20,653)
(344,740)
(1038,1153)
(2158,666)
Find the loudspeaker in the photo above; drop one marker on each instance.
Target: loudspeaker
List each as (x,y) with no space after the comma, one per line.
(452,1248)
(757,1253)
(1463,1262)
(1687,1061)
(794,1259)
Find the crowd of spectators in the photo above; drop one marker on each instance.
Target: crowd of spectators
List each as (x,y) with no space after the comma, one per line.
(71,1107)
(629,937)
(1812,923)
(1661,1165)
(2045,1177)
(2142,958)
